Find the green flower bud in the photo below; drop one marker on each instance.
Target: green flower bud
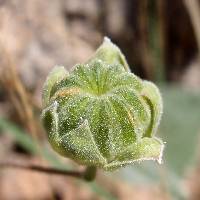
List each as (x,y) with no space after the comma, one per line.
(100,114)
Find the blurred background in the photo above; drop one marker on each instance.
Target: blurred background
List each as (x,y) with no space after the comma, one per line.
(161,40)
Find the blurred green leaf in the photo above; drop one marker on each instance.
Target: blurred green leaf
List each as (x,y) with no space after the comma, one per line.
(180,127)
(23,139)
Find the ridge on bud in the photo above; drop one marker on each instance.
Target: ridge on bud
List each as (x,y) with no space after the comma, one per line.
(100,114)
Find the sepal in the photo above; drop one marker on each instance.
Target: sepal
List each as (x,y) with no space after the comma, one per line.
(55,76)
(110,54)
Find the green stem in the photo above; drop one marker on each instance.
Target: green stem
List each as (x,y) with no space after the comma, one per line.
(90,173)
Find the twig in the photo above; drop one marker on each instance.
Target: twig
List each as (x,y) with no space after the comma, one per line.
(88,174)
(41,169)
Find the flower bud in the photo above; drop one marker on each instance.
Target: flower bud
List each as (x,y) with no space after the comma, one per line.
(100,114)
